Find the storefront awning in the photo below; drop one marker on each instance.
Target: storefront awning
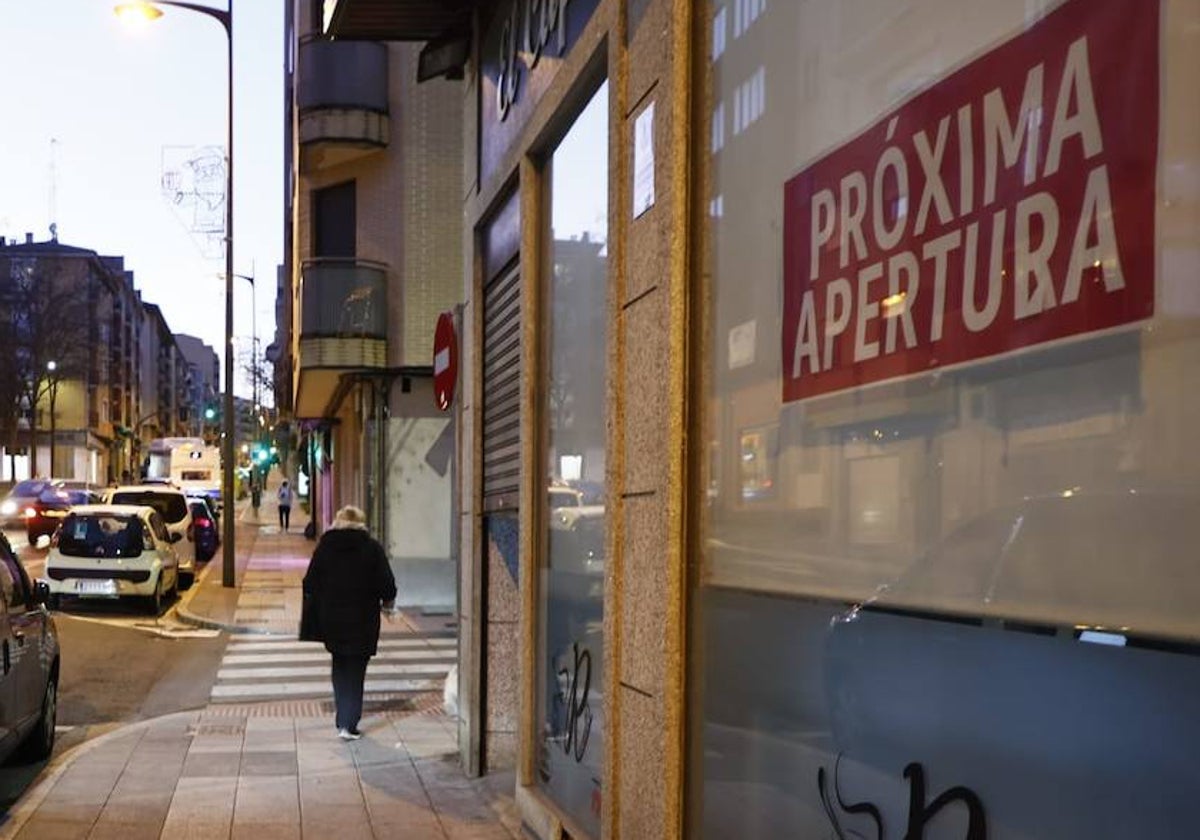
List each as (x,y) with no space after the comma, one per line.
(397,20)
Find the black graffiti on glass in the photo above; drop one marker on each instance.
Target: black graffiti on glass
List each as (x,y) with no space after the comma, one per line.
(865,808)
(919,814)
(575,682)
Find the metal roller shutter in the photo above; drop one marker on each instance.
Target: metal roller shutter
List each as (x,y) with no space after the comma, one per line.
(502,391)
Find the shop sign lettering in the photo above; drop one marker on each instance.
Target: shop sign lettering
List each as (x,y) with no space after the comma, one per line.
(529,26)
(1010,204)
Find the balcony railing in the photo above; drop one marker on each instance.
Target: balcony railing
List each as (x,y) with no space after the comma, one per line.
(342,100)
(342,74)
(343,298)
(343,327)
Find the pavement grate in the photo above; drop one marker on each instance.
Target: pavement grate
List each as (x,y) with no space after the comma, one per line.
(217,729)
(387,706)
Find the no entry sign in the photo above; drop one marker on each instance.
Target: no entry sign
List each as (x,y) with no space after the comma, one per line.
(445,361)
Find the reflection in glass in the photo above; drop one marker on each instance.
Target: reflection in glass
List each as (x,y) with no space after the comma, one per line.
(571,659)
(907,525)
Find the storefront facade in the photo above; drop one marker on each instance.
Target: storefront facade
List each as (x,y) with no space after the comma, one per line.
(825,415)
(952,315)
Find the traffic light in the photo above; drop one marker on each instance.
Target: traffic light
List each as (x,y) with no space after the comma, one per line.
(210,413)
(260,453)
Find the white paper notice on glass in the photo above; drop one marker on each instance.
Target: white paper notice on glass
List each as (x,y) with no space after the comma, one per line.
(643,161)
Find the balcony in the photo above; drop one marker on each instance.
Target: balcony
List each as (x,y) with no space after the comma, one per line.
(342,101)
(343,327)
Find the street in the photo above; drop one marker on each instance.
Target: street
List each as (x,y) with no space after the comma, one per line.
(118,666)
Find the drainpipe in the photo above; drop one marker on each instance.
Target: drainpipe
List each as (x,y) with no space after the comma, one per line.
(379,392)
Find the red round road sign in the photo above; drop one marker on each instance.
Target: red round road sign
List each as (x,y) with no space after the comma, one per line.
(445,361)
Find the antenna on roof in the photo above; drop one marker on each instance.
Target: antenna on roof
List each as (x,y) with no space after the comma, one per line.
(54,189)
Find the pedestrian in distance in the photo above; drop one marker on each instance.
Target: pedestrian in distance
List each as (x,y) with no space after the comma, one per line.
(348,584)
(284,495)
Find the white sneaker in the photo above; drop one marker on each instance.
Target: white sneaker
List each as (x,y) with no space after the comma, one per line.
(349,734)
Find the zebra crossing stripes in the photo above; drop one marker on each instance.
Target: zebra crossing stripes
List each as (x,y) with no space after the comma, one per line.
(261,668)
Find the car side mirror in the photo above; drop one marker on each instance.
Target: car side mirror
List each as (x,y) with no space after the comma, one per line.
(41,592)
(176,537)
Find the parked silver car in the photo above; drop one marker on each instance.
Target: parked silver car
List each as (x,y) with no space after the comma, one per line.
(29,663)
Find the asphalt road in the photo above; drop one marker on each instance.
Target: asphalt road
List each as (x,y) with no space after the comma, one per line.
(119,665)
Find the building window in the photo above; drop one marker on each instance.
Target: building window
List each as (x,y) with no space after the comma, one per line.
(334,222)
(572,694)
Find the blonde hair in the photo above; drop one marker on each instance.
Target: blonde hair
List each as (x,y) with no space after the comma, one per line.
(350,517)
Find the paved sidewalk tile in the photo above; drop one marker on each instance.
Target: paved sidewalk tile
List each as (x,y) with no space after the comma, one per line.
(267,808)
(201,810)
(245,775)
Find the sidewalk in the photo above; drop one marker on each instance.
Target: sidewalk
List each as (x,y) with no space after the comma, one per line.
(265,771)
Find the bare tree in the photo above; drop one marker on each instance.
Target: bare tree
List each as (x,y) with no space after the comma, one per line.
(259,372)
(48,313)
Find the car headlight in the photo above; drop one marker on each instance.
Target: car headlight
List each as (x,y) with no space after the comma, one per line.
(8,507)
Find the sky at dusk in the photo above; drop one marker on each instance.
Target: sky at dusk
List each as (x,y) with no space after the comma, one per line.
(95,112)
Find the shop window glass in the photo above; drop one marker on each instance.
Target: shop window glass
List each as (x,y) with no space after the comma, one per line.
(571,662)
(952,329)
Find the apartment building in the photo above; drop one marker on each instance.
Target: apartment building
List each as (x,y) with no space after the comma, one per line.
(374,235)
(70,360)
(167,390)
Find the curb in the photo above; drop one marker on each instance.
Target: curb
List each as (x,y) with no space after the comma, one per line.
(196,620)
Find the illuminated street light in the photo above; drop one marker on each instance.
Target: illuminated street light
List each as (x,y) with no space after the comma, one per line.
(148,10)
(52,369)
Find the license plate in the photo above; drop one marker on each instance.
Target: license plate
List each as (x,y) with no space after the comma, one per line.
(96,587)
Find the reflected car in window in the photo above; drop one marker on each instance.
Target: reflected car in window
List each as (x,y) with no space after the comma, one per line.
(1077,557)
(577,531)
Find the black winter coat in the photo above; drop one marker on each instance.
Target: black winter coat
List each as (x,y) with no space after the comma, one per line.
(348,578)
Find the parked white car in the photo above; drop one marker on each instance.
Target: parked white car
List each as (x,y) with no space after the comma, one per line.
(113,551)
(172,505)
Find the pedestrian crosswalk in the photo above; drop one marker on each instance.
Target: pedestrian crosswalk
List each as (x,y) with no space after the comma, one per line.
(262,668)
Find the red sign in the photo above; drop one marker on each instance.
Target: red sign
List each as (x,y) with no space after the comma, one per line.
(1008,205)
(445,361)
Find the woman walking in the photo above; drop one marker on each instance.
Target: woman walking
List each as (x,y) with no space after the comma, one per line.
(284,495)
(347,583)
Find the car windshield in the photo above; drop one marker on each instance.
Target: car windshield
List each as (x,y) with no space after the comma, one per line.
(31,487)
(170,506)
(53,496)
(78,497)
(100,535)
(199,509)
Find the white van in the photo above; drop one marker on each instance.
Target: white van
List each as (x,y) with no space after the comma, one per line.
(196,470)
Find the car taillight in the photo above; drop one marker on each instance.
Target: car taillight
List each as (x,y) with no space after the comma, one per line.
(203,523)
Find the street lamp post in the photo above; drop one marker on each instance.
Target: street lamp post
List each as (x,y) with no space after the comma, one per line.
(150,10)
(52,369)
(253,334)
(253,360)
